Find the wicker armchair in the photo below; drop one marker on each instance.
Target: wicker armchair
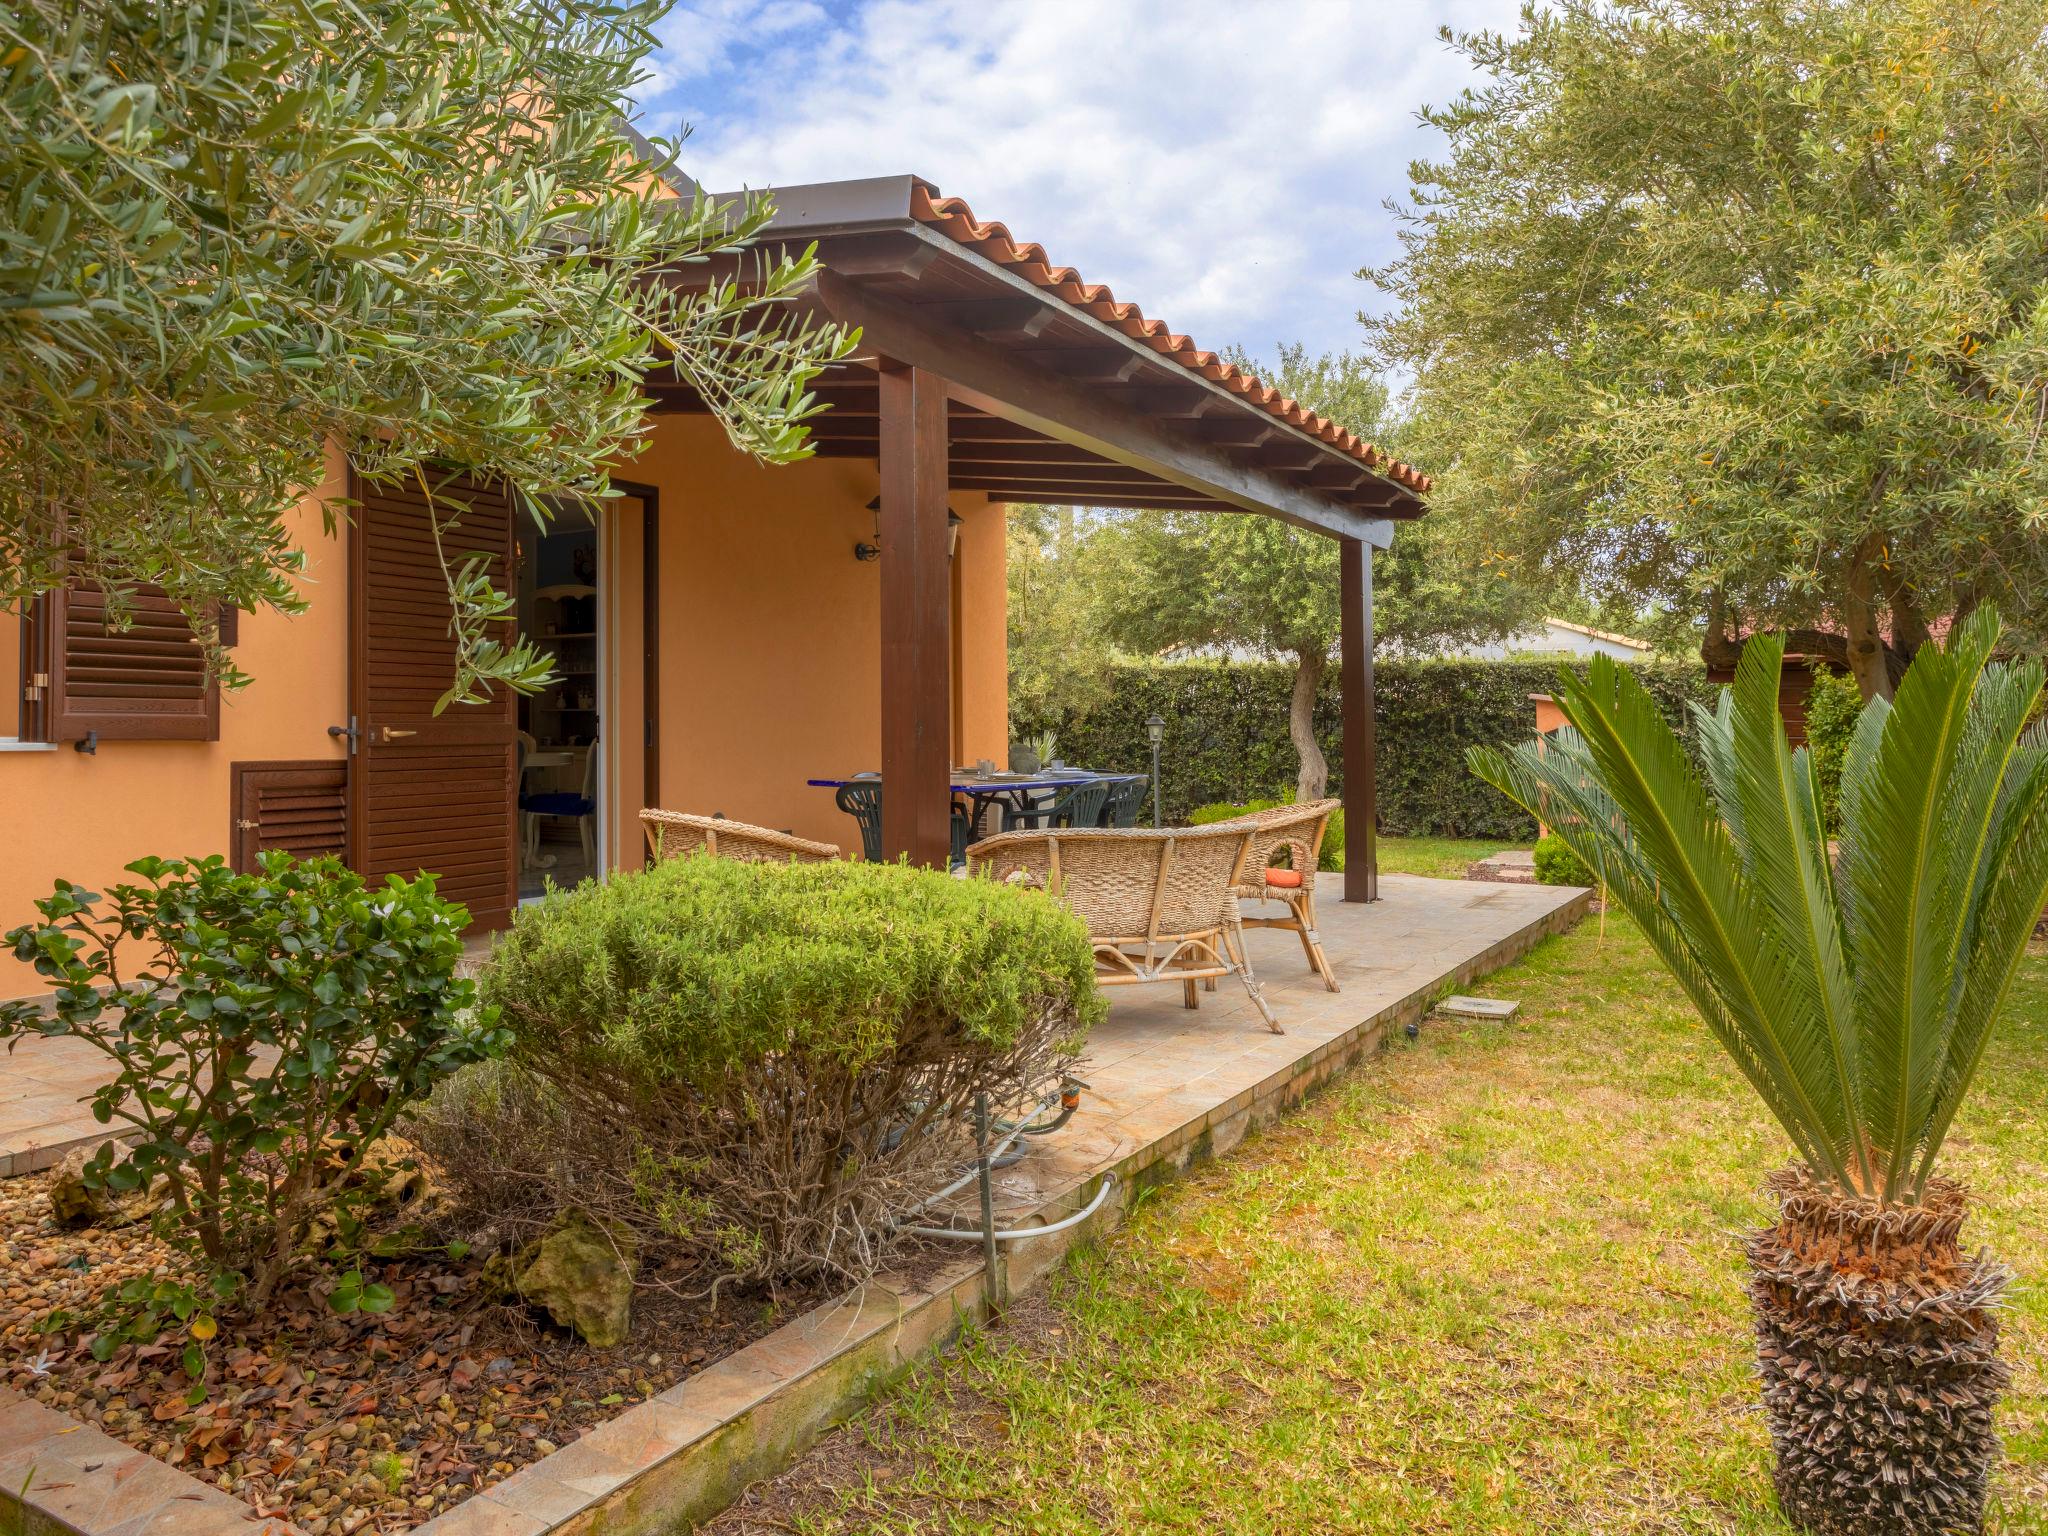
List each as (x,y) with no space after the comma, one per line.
(674,832)
(1158,904)
(1299,829)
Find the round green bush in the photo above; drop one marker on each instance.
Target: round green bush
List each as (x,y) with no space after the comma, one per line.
(761,1067)
(700,964)
(1556,864)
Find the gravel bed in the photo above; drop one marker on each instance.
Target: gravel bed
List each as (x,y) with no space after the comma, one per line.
(340,1424)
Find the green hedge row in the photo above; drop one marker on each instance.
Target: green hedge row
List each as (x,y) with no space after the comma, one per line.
(1226,733)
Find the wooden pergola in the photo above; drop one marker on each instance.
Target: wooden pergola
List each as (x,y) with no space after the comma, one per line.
(972,375)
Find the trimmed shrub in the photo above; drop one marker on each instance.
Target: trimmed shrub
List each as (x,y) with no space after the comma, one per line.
(355,992)
(759,1068)
(1226,740)
(1556,864)
(1833,705)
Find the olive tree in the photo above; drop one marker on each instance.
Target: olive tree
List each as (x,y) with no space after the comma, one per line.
(232,234)
(1737,305)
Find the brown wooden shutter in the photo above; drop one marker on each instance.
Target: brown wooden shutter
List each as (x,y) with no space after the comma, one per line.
(33,722)
(300,807)
(431,792)
(147,682)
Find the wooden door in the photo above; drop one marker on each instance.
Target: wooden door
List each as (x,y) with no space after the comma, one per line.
(433,793)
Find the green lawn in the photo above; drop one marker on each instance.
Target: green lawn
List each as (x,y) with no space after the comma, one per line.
(1488,1282)
(1444,857)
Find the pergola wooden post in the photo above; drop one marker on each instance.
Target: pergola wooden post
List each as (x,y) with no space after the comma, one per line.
(1361,809)
(916,617)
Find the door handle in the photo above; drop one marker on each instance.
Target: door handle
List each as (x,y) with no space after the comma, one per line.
(391,733)
(348,731)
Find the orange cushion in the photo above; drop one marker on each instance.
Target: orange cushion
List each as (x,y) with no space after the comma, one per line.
(1285,879)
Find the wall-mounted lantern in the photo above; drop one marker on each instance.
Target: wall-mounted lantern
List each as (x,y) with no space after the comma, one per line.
(867,551)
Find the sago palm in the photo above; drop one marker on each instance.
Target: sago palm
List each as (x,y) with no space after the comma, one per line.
(1855,987)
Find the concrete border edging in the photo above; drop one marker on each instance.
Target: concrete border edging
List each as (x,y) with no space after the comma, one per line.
(685,1454)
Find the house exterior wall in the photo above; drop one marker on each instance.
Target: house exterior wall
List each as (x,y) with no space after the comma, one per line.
(82,817)
(770,631)
(1553,640)
(769,674)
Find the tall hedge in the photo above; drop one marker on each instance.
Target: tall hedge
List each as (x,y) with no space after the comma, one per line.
(1226,733)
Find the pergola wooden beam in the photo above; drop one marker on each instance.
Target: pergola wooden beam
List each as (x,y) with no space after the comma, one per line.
(1062,408)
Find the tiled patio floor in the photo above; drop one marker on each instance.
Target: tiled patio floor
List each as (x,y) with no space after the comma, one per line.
(1155,1069)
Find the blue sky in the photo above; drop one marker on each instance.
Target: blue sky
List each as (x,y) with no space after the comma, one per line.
(1225,165)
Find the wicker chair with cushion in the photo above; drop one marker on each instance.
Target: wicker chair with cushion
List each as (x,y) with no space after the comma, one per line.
(1298,830)
(1157,903)
(673,832)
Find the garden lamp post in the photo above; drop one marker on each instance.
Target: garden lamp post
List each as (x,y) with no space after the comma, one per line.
(1155,729)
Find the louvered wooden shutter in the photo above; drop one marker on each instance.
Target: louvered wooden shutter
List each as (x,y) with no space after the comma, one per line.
(431,792)
(299,807)
(147,682)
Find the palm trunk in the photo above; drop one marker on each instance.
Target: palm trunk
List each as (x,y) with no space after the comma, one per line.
(1313,777)
(1877,1344)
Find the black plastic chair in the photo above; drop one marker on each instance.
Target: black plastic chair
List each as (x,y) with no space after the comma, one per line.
(1078,804)
(1126,799)
(862,800)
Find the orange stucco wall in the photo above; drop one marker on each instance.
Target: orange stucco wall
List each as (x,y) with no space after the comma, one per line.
(83,817)
(771,630)
(770,674)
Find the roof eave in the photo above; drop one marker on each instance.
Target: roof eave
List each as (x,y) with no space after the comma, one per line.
(883,204)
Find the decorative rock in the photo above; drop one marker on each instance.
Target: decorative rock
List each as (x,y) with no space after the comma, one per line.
(75,1204)
(583,1275)
(396,1170)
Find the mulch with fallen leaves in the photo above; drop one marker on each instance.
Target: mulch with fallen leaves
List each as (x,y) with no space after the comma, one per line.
(376,1421)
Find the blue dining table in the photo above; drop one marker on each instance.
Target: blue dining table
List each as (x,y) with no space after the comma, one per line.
(974,785)
(980,791)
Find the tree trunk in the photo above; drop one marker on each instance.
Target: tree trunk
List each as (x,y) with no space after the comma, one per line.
(1314,775)
(1877,1348)
(1909,624)
(1867,661)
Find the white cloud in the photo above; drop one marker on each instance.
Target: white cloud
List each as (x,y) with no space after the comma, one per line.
(1222,163)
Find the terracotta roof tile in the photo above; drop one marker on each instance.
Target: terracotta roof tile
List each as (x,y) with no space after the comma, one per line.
(953,218)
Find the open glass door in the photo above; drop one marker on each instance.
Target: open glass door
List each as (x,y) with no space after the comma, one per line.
(561,608)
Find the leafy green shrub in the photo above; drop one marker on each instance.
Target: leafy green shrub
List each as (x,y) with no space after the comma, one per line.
(1329,859)
(1556,864)
(1832,707)
(757,1068)
(1227,734)
(277,1023)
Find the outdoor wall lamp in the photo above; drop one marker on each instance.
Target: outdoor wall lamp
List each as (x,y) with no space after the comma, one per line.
(866,551)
